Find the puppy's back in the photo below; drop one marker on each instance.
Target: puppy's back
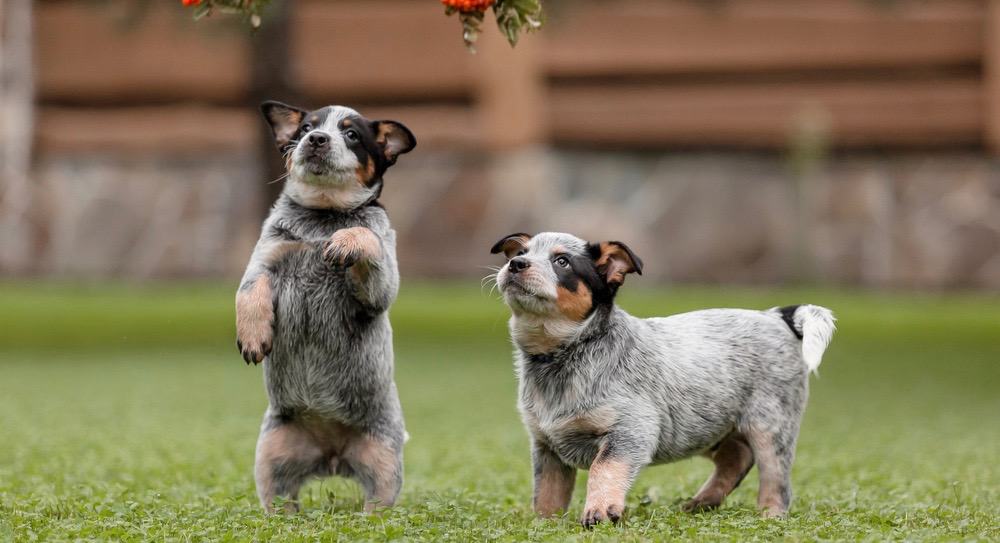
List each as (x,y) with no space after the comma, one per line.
(731,340)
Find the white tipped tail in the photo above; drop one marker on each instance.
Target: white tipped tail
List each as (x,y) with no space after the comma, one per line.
(816,325)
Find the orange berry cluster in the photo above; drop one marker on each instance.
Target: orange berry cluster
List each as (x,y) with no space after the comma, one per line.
(190,2)
(467,6)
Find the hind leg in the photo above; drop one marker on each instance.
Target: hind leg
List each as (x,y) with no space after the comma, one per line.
(377,464)
(287,455)
(775,452)
(733,459)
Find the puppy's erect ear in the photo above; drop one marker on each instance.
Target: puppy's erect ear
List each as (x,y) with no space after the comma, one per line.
(283,119)
(394,139)
(510,245)
(614,260)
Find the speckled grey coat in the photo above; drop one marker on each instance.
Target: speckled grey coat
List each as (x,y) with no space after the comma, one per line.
(611,393)
(312,306)
(332,350)
(330,369)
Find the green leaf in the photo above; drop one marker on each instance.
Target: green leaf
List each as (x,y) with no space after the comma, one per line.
(517,16)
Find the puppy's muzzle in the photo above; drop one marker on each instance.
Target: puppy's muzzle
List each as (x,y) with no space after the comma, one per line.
(518,264)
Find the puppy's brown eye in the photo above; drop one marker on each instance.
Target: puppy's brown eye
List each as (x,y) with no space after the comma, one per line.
(307,128)
(521,252)
(352,136)
(562,261)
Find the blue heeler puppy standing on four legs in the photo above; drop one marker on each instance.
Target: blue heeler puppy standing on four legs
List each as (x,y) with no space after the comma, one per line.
(604,391)
(313,304)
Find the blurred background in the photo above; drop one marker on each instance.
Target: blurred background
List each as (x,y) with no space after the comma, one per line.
(754,153)
(750,141)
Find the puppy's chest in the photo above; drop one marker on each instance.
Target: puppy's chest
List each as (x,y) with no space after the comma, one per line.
(574,429)
(312,290)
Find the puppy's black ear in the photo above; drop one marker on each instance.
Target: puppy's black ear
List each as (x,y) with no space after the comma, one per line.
(283,119)
(393,139)
(511,245)
(614,260)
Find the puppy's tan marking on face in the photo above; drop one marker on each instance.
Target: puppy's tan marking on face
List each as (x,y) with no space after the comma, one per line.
(574,305)
(254,318)
(366,172)
(607,486)
(348,123)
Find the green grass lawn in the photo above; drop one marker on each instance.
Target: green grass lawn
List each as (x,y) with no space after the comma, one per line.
(126,413)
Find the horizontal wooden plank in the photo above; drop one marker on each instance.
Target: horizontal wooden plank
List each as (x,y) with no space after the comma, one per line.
(195,129)
(372,49)
(434,125)
(678,36)
(379,49)
(166,129)
(947,112)
(97,52)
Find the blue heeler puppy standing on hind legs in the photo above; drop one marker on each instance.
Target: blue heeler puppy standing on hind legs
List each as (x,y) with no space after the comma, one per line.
(313,304)
(611,393)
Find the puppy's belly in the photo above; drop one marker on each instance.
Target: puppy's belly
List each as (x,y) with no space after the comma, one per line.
(329,361)
(695,438)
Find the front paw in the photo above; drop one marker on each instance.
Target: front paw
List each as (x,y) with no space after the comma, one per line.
(594,514)
(254,320)
(352,245)
(254,351)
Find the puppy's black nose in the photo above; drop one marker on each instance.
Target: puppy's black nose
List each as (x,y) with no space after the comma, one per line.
(518,264)
(318,140)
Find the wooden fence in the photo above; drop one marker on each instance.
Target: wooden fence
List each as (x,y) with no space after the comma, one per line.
(632,74)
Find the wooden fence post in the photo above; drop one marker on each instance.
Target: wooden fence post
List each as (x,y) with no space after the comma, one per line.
(510,91)
(991,78)
(16,118)
(272,77)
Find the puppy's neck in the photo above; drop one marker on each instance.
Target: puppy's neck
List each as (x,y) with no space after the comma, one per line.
(340,197)
(536,334)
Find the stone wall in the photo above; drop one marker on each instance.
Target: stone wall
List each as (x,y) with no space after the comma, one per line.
(904,220)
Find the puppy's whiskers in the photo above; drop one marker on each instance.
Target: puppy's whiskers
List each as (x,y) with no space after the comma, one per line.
(490,279)
(279,178)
